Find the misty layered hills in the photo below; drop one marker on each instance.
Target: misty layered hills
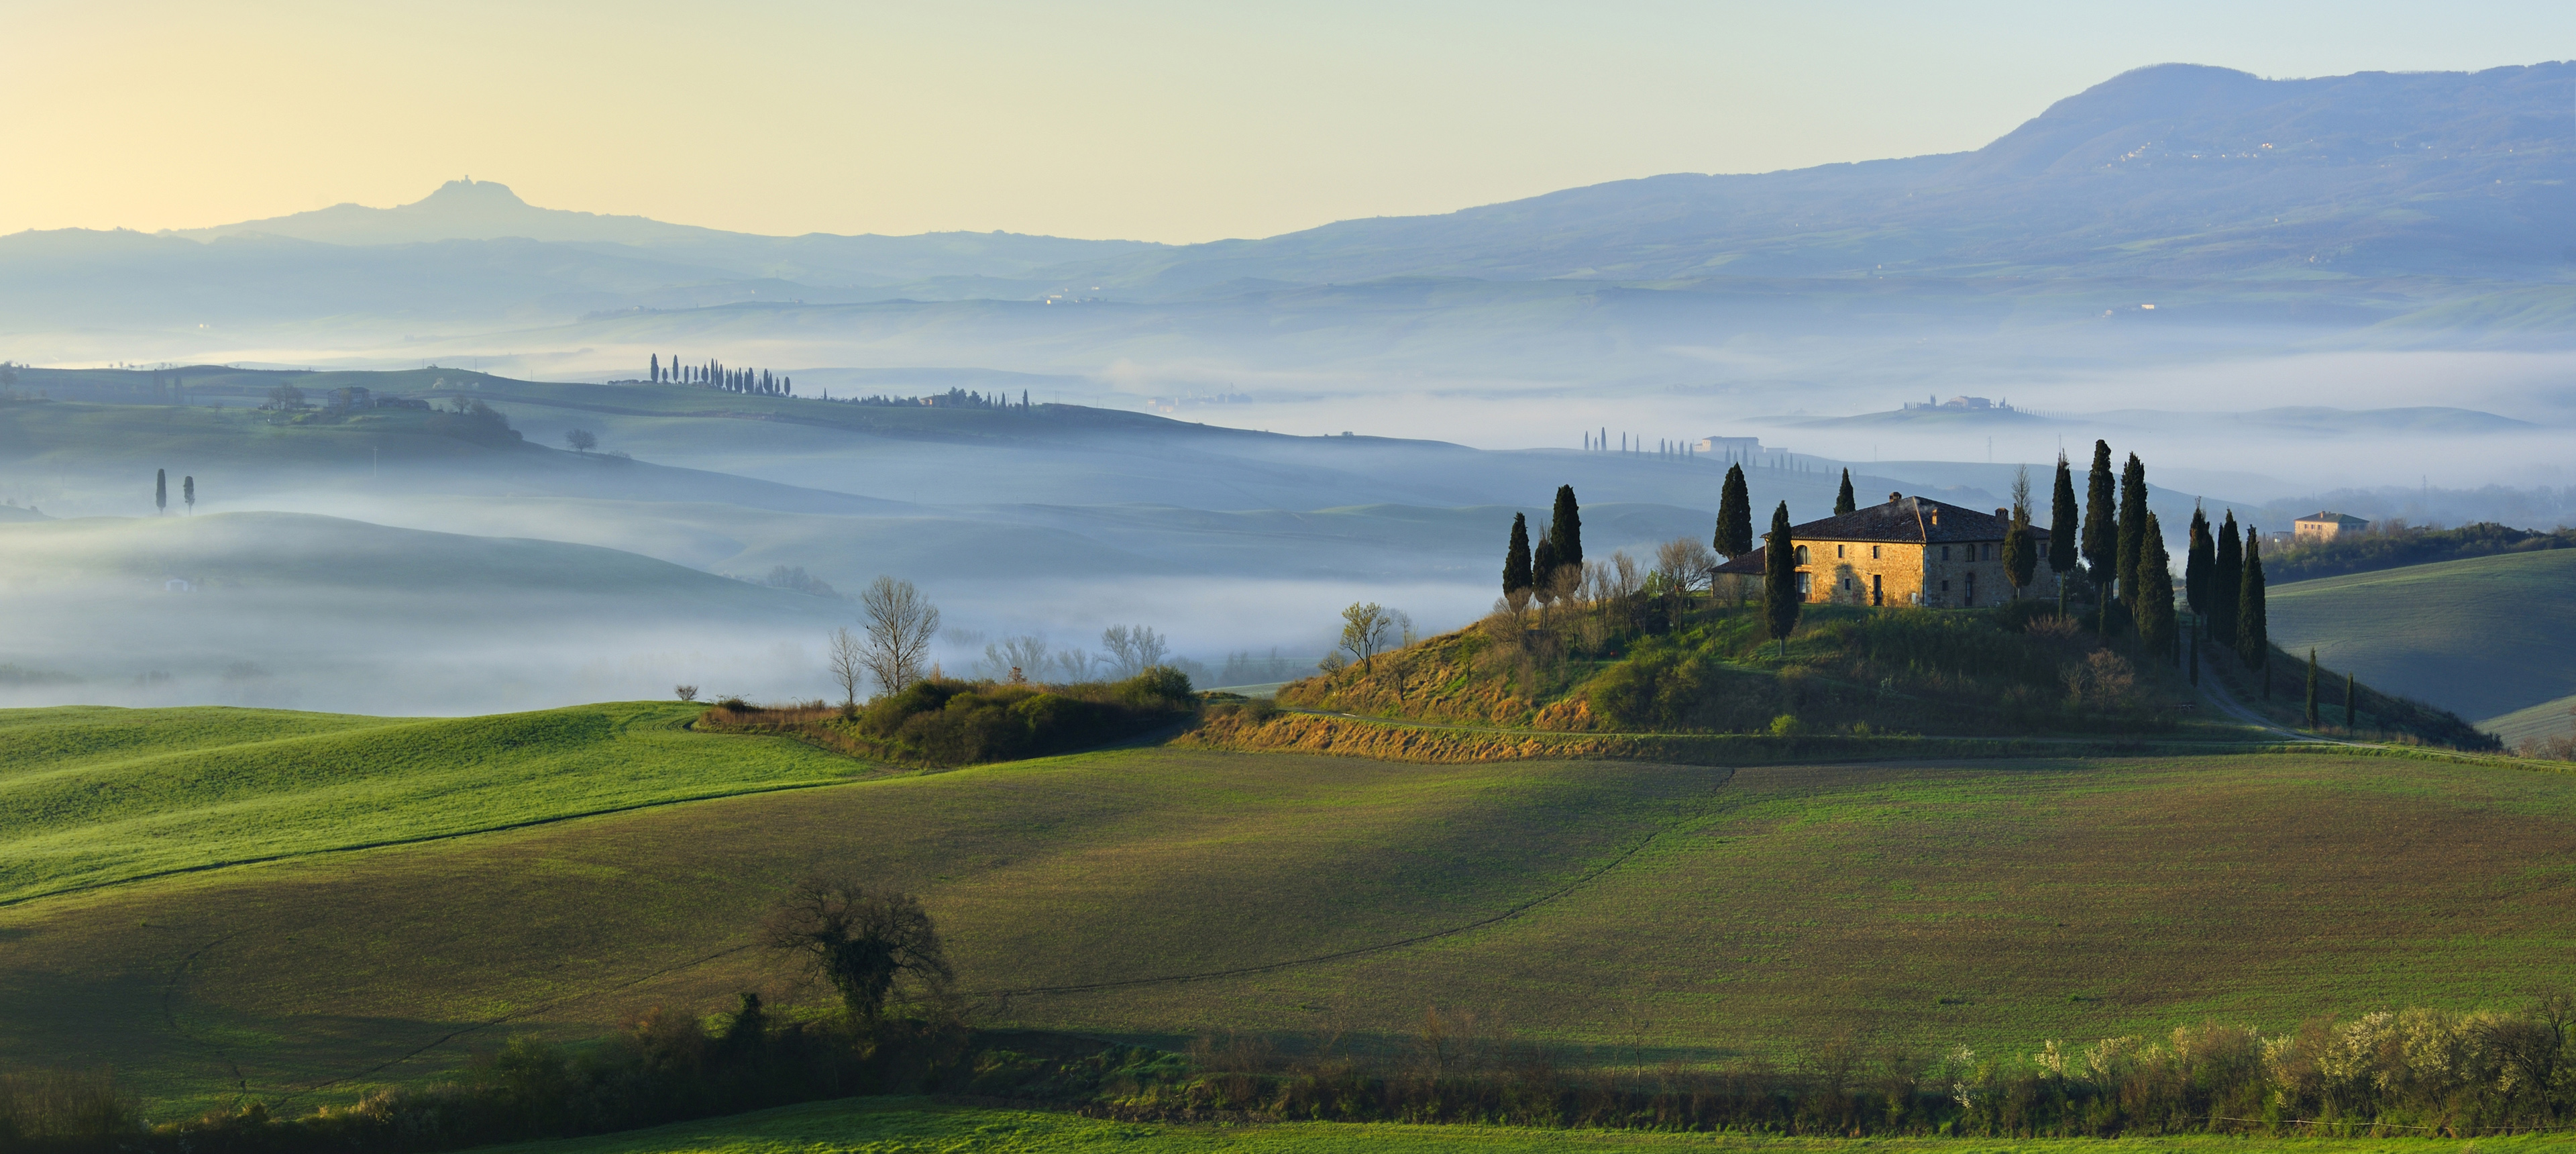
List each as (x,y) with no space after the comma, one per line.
(2338,201)
(2170,172)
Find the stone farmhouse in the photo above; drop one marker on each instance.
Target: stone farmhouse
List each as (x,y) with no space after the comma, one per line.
(2325,526)
(1909,551)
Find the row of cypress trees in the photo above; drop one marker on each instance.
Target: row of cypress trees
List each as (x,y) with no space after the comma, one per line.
(717,375)
(1532,572)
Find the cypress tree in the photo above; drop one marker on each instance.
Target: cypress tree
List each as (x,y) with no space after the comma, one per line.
(1843,502)
(2312,690)
(1516,559)
(2351,698)
(2253,633)
(2226,582)
(1734,515)
(2133,534)
(2101,524)
(2021,547)
(2062,528)
(1780,600)
(1565,527)
(2196,562)
(1543,566)
(188,492)
(2155,602)
(161,489)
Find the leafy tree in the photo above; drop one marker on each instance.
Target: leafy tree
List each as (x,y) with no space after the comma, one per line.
(1516,558)
(899,623)
(2062,529)
(1843,502)
(161,490)
(2253,632)
(2133,530)
(1364,629)
(2226,582)
(286,398)
(188,492)
(1565,527)
(1780,600)
(861,939)
(2101,523)
(581,440)
(2200,554)
(2155,600)
(1543,566)
(1734,515)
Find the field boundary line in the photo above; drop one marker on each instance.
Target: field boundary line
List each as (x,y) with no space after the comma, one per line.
(389,843)
(1586,879)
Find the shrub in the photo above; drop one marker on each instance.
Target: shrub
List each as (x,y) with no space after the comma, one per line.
(948,722)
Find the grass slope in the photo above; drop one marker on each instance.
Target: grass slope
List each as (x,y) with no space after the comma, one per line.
(93,796)
(918,1126)
(2482,637)
(1633,912)
(2546,721)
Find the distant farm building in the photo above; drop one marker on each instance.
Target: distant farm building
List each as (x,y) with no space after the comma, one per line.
(2325,526)
(1734,447)
(1909,551)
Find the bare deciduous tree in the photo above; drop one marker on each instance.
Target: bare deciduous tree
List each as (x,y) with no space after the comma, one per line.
(1026,655)
(900,623)
(1685,562)
(685,692)
(862,940)
(1364,629)
(847,658)
(1134,648)
(581,440)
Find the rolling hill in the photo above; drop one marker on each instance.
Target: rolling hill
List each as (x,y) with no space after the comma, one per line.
(1625,912)
(2482,637)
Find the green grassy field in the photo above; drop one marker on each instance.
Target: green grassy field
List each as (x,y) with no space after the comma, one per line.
(1625,913)
(2549,719)
(2481,637)
(95,796)
(916,1126)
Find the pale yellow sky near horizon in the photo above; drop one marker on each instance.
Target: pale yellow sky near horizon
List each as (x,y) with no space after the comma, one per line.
(1121,118)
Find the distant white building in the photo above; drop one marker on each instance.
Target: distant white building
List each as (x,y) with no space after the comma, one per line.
(1733,446)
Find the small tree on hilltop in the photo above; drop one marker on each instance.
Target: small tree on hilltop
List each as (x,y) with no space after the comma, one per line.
(862,940)
(899,625)
(1565,527)
(581,440)
(1734,515)
(1365,626)
(1780,600)
(2062,529)
(2155,602)
(2226,582)
(2101,527)
(2021,546)
(1843,501)
(1516,559)
(2133,534)
(2253,633)
(2312,690)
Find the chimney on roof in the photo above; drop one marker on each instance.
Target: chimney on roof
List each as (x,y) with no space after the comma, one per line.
(1893,498)
(2003,514)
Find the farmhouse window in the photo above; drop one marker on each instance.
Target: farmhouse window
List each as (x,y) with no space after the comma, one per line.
(1945,552)
(1873,552)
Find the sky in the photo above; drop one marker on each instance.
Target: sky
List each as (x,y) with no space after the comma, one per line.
(1137,119)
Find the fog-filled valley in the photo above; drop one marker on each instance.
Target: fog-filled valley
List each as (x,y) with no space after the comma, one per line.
(2349,293)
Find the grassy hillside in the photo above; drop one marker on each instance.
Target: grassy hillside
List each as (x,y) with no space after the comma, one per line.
(905,1125)
(1631,912)
(92,797)
(2535,725)
(2482,637)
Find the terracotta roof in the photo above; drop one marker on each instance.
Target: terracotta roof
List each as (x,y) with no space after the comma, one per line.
(1906,520)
